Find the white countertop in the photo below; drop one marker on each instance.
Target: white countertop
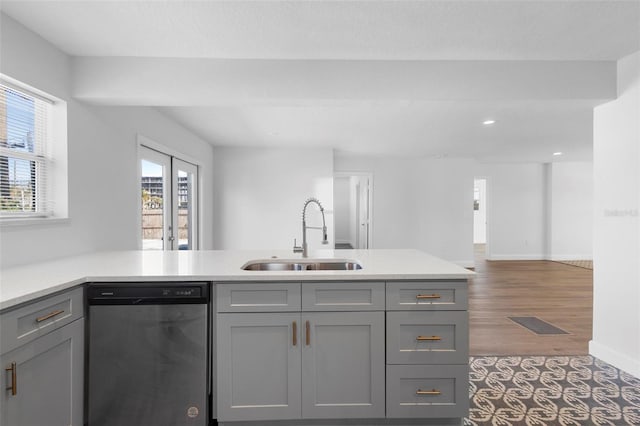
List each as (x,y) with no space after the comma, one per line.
(24,283)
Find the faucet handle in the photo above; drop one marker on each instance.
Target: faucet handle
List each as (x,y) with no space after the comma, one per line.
(296,248)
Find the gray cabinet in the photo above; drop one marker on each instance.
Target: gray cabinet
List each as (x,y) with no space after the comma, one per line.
(286,365)
(427,347)
(42,380)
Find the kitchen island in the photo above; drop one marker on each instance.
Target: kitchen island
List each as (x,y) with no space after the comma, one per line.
(385,344)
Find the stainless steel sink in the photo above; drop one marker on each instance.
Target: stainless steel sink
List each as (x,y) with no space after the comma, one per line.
(302,265)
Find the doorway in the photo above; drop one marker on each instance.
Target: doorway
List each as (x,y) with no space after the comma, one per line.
(169,201)
(352,193)
(480,216)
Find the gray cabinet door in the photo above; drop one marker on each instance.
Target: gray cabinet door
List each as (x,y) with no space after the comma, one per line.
(343,366)
(258,365)
(48,380)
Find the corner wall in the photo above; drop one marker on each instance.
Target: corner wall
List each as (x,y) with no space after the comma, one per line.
(616,278)
(102,161)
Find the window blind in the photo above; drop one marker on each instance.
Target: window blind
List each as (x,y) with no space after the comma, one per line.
(25,132)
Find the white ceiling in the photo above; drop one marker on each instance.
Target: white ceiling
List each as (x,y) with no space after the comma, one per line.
(527,129)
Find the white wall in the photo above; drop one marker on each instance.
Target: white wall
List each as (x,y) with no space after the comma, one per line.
(516,215)
(419,203)
(342,208)
(395,205)
(445,193)
(260,194)
(616,254)
(571,210)
(102,161)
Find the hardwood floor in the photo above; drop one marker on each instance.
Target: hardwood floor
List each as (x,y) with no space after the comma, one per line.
(556,293)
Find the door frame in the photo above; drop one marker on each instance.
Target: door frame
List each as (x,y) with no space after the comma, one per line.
(143,142)
(369,176)
(487,201)
(177,165)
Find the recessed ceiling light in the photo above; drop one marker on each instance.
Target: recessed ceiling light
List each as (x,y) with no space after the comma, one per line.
(489,122)
(557,153)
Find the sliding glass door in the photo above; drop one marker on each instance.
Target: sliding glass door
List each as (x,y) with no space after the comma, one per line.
(169,202)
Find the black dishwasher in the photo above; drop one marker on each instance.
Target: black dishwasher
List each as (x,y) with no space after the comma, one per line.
(148,354)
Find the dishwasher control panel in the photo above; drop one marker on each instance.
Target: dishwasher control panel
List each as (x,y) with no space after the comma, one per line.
(139,293)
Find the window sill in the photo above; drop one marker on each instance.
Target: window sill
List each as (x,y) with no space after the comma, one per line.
(25,222)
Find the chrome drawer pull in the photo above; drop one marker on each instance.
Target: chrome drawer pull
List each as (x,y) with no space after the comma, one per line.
(14,379)
(49,315)
(431,338)
(432,392)
(427,296)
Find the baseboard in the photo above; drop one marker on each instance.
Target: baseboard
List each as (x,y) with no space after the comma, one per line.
(615,358)
(516,257)
(562,257)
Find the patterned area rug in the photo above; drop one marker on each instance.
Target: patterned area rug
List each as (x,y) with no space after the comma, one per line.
(587,264)
(555,390)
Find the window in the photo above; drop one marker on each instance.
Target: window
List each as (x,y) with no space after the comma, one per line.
(26,154)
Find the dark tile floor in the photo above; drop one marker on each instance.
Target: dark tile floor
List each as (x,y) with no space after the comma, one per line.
(551,390)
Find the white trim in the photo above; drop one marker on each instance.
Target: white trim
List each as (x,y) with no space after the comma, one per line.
(19,86)
(487,230)
(7,222)
(517,257)
(163,149)
(584,256)
(194,218)
(619,360)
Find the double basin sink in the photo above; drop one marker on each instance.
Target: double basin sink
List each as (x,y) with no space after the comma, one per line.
(302,265)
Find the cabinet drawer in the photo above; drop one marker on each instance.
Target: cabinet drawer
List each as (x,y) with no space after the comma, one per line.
(343,296)
(427,337)
(421,391)
(31,321)
(427,295)
(258,297)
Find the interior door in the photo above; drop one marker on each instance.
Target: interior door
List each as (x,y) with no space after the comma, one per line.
(363,213)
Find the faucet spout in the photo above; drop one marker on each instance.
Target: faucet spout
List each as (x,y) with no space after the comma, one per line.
(304,249)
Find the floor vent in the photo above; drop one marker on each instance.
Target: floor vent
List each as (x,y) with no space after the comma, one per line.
(537,325)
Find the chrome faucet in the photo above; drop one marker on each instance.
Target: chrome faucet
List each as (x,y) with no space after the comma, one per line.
(304,249)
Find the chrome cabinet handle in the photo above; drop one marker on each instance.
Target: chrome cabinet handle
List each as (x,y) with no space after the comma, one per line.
(14,379)
(49,315)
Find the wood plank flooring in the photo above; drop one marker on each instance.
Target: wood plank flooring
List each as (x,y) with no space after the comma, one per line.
(554,292)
